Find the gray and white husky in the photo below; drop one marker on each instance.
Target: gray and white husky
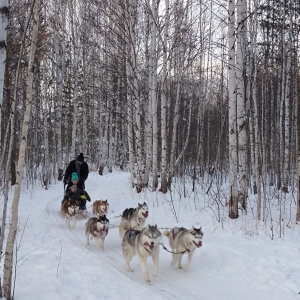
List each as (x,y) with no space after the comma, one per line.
(182,241)
(97,228)
(133,218)
(143,243)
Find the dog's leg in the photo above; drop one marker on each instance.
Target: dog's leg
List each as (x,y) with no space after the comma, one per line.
(101,243)
(174,258)
(74,221)
(87,238)
(68,221)
(190,256)
(155,259)
(179,261)
(128,257)
(143,264)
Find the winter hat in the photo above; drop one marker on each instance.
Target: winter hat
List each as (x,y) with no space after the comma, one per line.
(74,176)
(74,186)
(80,157)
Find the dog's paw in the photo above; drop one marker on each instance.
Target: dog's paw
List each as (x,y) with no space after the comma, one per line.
(147,279)
(128,269)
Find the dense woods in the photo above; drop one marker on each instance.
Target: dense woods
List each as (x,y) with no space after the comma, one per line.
(160,88)
(165,89)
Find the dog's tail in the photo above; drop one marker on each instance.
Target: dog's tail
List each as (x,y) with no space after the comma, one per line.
(123,227)
(167,233)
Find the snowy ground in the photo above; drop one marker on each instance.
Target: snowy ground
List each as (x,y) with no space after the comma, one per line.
(238,260)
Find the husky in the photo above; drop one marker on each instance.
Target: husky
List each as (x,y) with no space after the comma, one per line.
(100,207)
(182,241)
(97,228)
(70,209)
(133,218)
(142,243)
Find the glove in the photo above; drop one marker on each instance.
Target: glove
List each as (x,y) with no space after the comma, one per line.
(65,181)
(89,200)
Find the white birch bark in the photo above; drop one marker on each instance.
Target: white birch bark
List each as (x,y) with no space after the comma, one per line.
(256,137)
(46,171)
(153,94)
(60,71)
(174,132)
(4,9)
(286,109)
(129,23)
(241,103)
(164,179)
(233,201)
(8,261)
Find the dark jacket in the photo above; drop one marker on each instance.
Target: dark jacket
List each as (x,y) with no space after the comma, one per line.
(77,195)
(81,170)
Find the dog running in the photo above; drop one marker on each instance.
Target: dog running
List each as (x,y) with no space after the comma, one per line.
(100,207)
(70,209)
(182,241)
(143,243)
(133,218)
(97,228)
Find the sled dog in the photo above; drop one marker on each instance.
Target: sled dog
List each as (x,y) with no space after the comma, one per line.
(142,243)
(97,228)
(133,218)
(182,241)
(69,209)
(100,207)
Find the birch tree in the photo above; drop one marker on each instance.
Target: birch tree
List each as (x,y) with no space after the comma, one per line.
(164,178)
(8,261)
(4,10)
(233,196)
(241,102)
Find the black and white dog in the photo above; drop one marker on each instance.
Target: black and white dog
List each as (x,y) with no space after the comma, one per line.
(97,228)
(133,218)
(143,243)
(182,241)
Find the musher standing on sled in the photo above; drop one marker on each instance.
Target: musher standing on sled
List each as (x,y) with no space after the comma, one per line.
(80,167)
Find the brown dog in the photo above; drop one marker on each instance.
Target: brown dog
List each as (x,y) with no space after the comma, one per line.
(69,209)
(100,207)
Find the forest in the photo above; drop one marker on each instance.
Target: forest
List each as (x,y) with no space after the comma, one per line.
(196,90)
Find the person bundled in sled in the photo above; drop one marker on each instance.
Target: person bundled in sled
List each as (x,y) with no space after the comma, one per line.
(79,195)
(74,181)
(80,167)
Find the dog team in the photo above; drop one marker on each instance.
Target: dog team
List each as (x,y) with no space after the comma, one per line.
(137,238)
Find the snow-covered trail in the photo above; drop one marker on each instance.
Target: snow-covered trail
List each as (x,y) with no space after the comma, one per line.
(231,264)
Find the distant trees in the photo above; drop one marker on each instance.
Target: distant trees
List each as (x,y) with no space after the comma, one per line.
(153,87)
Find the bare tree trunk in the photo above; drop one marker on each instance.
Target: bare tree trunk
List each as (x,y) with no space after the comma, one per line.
(241,103)
(8,261)
(4,10)
(233,200)
(153,94)
(164,178)
(129,23)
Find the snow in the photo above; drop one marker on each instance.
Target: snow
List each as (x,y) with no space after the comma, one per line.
(238,259)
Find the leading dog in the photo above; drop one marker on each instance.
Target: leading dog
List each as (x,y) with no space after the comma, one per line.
(70,209)
(97,228)
(143,243)
(100,207)
(133,218)
(182,241)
